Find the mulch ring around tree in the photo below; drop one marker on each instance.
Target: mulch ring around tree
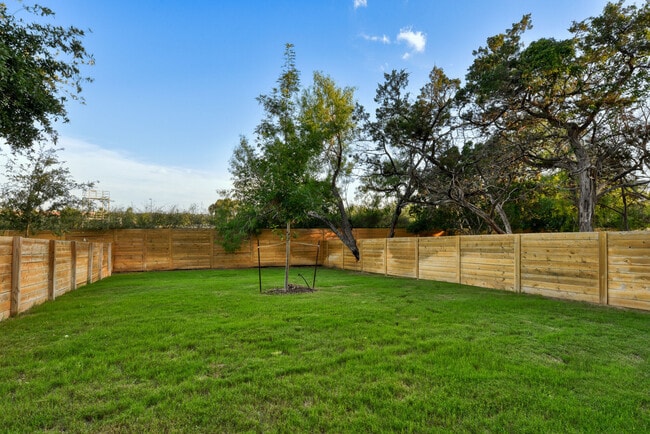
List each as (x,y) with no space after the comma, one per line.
(291,289)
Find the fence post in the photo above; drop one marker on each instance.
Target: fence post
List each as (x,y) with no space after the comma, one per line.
(109,260)
(144,249)
(73,266)
(517,254)
(417,258)
(100,262)
(16,262)
(361,256)
(170,243)
(385,256)
(51,273)
(89,277)
(458,261)
(603,288)
(211,249)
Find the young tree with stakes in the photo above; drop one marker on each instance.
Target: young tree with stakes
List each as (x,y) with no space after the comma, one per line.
(272,179)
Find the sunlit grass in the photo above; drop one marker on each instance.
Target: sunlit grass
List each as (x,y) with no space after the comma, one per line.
(204,351)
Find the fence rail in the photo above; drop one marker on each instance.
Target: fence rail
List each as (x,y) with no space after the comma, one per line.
(33,271)
(611,268)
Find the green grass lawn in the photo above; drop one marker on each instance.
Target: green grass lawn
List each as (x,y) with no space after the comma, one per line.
(204,351)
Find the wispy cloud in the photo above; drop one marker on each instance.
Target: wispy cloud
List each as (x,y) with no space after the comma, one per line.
(360,4)
(417,41)
(373,38)
(140,184)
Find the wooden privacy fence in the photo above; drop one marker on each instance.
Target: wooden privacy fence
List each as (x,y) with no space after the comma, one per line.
(33,271)
(608,268)
(184,249)
(611,268)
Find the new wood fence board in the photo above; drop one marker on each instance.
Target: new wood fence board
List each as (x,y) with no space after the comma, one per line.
(632,265)
(560,268)
(436,263)
(561,294)
(562,262)
(551,245)
(630,294)
(628,252)
(629,303)
(556,265)
(566,265)
(632,278)
(636,275)
(487,261)
(440,276)
(561,286)
(35,281)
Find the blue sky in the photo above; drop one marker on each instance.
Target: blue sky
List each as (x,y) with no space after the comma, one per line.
(175,81)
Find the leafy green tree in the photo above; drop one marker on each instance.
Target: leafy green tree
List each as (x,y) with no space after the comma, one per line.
(409,137)
(627,208)
(481,177)
(390,163)
(422,155)
(38,190)
(40,70)
(297,167)
(370,211)
(272,179)
(574,103)
(329,120)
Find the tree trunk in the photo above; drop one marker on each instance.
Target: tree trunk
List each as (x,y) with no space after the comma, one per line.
(394,220)
(457,196)
(586,181)
(504,218)
(586,199)
(344,233)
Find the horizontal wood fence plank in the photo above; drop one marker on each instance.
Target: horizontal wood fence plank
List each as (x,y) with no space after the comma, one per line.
(35,270)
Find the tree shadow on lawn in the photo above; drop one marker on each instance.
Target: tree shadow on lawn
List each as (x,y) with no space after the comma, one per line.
(291,289)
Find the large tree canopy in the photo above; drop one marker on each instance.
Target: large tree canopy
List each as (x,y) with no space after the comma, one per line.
(40,69)
(572,104)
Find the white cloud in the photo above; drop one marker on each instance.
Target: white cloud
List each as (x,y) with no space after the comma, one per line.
(360,3)
(383,38)
(139,184)
(417,41)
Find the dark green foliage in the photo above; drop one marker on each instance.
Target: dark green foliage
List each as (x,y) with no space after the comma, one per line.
(272,183)
(40,69)
(578,106)
(480,156)
(291,173)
